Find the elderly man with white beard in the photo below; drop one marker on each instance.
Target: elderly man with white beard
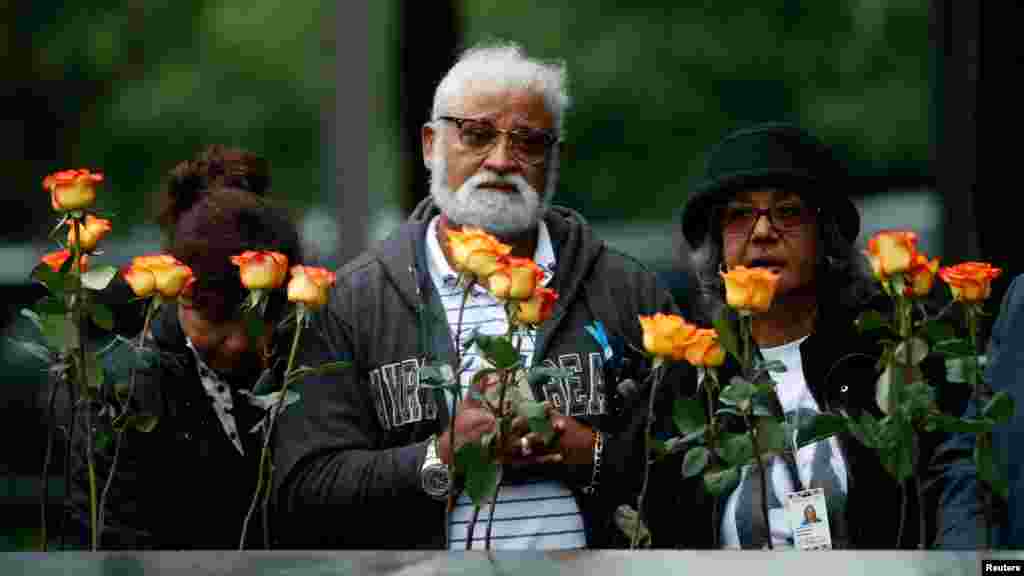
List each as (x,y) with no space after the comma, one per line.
(361,461)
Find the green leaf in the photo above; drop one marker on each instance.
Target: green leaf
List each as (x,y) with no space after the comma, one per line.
(864,430)
(143,422)
(1000,408)
(954,347)
(57,330)
(36,320)
(771,436)
(773,366)
(947,423)
(54,281)
(819,427)
(537,419)
(695,461)
(102,440)
(988,472)
(102,316)
(897,449)
(728,410)
(51,305)
(736,449)
(688,415)
(539,375)
(737,391)
(481,472)
(254,325)
(98,278)
(937,331)
(35,349)
(871,320)
(628,521)
(728,334)
(720,482)
(434,375)
(498,350)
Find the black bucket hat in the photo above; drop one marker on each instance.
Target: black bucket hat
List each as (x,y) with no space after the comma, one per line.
(776,155)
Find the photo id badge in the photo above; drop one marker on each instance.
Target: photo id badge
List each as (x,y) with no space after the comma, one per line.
(808,518)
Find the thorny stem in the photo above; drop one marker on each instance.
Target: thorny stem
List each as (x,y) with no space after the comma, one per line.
(984,438)
(83,372)
(455,403)
(712,438)
(747,335)
(272,415)
(647,459)
(154,304)
(44,478)
(506,375)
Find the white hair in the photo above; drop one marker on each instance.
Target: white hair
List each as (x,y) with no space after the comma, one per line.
(504,65)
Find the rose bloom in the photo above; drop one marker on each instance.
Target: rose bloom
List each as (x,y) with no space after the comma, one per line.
(72,189)
(310,286)
(169,276)
(538,308)
(56,259)
(93,230)
(515,279)
(921,276)
(261,270)
(703,349)
(892,252)
(970,281)
(749,289)
(476,252)
(665,335)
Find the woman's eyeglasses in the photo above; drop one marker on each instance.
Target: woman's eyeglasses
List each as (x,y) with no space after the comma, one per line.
(740,219)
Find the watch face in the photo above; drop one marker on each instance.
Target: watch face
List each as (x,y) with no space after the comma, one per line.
(435,481)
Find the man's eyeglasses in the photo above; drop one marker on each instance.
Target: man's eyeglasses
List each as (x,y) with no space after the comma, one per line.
(739,219)
(526,145)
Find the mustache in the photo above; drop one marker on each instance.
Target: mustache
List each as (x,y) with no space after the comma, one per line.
(487,178)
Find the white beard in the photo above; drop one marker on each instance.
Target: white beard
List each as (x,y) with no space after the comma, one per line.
(500,212)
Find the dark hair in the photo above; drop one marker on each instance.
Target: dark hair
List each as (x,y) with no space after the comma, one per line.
(214,166)
(843,273)
(214,209)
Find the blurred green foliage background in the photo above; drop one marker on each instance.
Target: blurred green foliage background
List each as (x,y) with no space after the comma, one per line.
(131,88)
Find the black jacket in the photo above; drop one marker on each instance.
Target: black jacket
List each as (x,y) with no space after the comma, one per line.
(183,485)
(348,459)
(839,368)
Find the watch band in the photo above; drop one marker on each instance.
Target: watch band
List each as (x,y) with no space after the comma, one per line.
(434,473)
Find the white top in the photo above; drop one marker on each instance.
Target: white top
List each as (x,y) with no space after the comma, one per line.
(793,395)
(536,514)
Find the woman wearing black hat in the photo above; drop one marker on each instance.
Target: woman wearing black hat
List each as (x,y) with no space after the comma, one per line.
(775,196)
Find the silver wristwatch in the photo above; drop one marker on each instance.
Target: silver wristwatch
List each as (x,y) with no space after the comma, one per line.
(434,473)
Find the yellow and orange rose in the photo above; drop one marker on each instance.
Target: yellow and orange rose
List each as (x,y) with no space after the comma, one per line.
(310,286)
(475,252)
(920,277)
(702,348)
(538,308)
(970,282)
(665,334)
(892,252)
(749,289)
(261,270)
(515,278)
(160,273)
(56,259)
(72,189)
(93,230)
